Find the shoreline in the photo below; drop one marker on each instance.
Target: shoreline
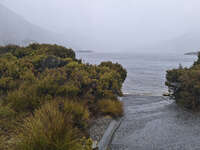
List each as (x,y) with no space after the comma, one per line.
(102,131)
(104,128)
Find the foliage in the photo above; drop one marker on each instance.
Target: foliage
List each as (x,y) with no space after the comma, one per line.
(54,50)
(6,112)
(31,77)
(50,129)
(117,67)
(184,85)
(79,113)
(110,107)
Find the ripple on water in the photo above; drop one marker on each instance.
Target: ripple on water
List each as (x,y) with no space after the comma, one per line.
(153,123)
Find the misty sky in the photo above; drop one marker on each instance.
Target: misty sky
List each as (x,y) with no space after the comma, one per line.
(112,24)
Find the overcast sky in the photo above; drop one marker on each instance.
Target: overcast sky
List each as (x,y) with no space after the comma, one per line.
(112,24)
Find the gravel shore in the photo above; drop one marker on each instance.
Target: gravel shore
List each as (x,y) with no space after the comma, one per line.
(98,127)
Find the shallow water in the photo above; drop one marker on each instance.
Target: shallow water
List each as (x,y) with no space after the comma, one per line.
(155,123)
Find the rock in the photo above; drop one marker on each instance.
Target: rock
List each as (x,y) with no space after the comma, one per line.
(166,94)
(95,145)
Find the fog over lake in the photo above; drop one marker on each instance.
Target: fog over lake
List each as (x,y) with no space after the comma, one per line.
(116,25)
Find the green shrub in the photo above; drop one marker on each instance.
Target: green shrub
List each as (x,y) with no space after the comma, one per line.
(21,52)
(79,113)
(54,71)
(68,90)
(109,85)
(6,112)
(8,48)
(111,107)
(117,67)
(55,50)
(184,85)
(6,84)
(2,143)
(31,77)
(61,51)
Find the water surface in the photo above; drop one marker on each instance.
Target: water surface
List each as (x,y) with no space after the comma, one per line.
(156,123)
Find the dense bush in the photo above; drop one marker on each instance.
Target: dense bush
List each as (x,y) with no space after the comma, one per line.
(78,112)
(117,67)
(184,85)
(31,77)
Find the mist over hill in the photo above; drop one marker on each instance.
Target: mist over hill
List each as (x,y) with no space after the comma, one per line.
(189,42)
(14,29)
(98,26)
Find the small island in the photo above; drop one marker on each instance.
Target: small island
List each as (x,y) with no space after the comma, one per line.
(191,53)
(84,51)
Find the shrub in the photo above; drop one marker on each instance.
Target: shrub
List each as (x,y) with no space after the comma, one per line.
(2,143)
(79,113)
(184,85)
(111,107)
(109,85)
(6,84)
(8,48)
(61,51)
(6,112)
(68,90)
(55,50)
(49,129)
(7,119)
(53,70)
(31,77)
(117,67)
(41,63)
(21,52)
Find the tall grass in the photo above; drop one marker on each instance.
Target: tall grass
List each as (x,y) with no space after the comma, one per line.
(50,129)
(111,107)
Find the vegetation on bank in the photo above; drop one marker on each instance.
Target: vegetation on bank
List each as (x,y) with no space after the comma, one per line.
(184,85)
(47,97)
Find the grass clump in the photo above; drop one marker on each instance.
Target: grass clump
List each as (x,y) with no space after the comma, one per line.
(110,107)
(79,112)
(51,128)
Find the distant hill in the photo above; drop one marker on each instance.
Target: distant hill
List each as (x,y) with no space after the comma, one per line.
(84,51)
(14,29)
(192,53)
(184,43)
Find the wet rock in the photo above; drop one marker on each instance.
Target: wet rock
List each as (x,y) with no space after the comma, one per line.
(166,94)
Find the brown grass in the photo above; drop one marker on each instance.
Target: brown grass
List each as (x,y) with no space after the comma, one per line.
(111,107)
(49,129)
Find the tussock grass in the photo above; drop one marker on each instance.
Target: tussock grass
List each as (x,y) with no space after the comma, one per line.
(111,107)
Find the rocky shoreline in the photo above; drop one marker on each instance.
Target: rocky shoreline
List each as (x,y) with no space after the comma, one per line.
(98,127)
